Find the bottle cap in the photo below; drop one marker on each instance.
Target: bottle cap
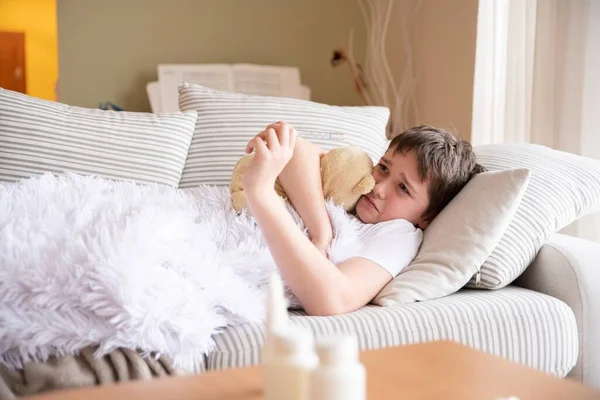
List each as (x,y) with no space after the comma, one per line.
(337,349)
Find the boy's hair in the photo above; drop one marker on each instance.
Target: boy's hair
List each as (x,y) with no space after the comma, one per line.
(448,162)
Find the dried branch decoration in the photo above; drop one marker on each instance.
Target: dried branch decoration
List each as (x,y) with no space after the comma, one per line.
(376,83)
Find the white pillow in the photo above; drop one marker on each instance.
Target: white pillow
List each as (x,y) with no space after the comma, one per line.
(459,239)
(563,188)
(227,121)
(39,136)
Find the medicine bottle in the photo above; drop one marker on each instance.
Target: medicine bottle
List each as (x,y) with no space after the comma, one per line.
(339,374)
(290,360)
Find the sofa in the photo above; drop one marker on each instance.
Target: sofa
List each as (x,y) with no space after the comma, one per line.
(544,316)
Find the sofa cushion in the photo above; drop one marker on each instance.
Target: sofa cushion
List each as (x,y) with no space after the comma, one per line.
(459,239)
(518,324)
(37,136)
(227,121)
(563,187)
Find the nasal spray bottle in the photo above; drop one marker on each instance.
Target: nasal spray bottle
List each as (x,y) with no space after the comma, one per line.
(288,353)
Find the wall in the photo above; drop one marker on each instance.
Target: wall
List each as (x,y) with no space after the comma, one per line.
(37,18)
(109,50)
(444,35)
(446,32)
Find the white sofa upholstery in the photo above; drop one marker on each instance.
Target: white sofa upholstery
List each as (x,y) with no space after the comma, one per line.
(532,322)
(515,323)
(568,269)
(548,320)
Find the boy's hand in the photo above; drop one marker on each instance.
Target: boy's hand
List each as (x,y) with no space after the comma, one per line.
(273,148)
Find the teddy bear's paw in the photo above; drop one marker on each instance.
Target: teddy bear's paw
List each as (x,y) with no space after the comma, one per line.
(238,201)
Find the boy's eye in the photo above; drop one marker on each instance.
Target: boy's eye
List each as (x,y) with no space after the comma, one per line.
(403,188)
(383,168)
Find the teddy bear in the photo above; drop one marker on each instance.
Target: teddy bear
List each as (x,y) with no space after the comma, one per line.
(345,175)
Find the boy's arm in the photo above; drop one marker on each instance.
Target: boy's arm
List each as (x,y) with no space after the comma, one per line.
(301,180)
(322,287)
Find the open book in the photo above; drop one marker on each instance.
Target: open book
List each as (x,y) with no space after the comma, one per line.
(266,80)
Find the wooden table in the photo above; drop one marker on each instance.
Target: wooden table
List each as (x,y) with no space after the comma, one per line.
(435,370)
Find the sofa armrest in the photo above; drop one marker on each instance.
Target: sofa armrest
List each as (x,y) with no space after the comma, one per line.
(568,269)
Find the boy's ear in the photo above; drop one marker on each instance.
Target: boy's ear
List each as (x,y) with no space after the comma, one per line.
(423,223)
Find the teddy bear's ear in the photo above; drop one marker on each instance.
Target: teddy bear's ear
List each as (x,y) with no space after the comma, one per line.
(366,184)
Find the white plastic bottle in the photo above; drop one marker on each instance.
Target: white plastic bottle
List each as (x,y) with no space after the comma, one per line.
(286,370)
(339,374)
(288,353)
(277,316)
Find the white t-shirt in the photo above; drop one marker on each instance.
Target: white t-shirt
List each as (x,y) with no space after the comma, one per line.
(390,244)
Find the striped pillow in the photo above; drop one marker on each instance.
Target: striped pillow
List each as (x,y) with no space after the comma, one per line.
(39,136)
(227,121)
(563,187)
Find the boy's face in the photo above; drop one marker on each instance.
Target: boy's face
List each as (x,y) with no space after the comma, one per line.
(398,192)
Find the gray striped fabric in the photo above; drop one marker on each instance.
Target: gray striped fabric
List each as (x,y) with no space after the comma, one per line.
(227,121)
(518,324)
(563,187)
(37,136)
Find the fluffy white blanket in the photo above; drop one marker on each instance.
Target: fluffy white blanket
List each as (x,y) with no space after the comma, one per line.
(86,260)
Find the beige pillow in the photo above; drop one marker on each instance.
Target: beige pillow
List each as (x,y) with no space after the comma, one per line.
(459,239)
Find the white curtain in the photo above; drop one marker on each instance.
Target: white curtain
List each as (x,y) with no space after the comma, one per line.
(537,79)
(503,71)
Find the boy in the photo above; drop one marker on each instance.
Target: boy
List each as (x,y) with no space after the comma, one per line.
(422,170)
